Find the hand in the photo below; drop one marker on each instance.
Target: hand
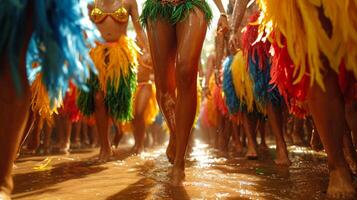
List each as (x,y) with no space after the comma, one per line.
(234,43)
(222,26)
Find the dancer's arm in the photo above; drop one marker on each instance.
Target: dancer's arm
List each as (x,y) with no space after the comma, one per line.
(142,40)
(239,9)
(222,29)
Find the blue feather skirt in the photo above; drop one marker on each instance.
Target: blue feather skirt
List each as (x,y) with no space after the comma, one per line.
(60,42)
(231,99)
(264,92)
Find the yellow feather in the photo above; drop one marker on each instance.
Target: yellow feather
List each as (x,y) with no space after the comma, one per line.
(243,84)
(120,57)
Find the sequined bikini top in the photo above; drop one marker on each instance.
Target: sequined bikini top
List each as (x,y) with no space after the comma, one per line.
(121,15)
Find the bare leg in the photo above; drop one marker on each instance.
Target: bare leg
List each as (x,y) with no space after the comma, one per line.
(244,136)
(236,138)
(327,109)
(34,139)
(225,135)
(101,118)
(47,138)
(351,117)
(77,126)
(349,151)
(141,103)
(66,142)
(13,116)
(261,127)
(276,122)
(162,37)
(118,134)
(94,135)
(190,36)
(85,133)
(249,125)
(298,129)
(315,141)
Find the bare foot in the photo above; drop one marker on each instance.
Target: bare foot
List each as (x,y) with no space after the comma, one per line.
(340,184)
(64,148)
(171,151)
(282,157)
(105,154)
(239,149)
(4,196)
(177,176)
(63,151)
(137,149)
(251,153)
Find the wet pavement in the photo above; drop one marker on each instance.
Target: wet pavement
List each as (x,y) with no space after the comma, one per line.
(210,174)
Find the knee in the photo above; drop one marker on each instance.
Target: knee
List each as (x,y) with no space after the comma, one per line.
(186,73)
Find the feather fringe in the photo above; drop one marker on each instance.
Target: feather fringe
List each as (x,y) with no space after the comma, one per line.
(228,87)
(259,64)
(58,35)
(242,82)
(154,9)
(306,37)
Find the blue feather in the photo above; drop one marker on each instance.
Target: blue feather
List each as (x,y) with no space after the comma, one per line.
(59,33)
(264,92)
(61,39)
(232,101)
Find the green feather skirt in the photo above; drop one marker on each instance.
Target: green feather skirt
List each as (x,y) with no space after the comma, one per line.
(154,9)
(119,102)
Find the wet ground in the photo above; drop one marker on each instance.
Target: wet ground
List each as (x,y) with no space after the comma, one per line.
(209,175)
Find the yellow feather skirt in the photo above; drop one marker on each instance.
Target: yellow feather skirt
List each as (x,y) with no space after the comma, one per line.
(299,22)
(40,102)
(242,82)
(123,57)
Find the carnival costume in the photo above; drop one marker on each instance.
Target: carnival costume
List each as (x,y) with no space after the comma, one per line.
(116,64)
(259,64)
(69,107)
(173,11)
(243,84)
(302,32)
(231,99)
(57,50)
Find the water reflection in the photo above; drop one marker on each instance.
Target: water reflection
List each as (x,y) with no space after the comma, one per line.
(209,175)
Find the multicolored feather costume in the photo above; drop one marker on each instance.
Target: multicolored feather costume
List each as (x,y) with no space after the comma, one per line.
(231,99)
(309,28)
(116,64)
(259,64)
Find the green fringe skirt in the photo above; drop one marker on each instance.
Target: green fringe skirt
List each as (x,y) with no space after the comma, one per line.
(118,101)
(154,9)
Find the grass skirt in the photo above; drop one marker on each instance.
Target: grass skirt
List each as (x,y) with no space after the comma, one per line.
(154,9)
(116,65)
